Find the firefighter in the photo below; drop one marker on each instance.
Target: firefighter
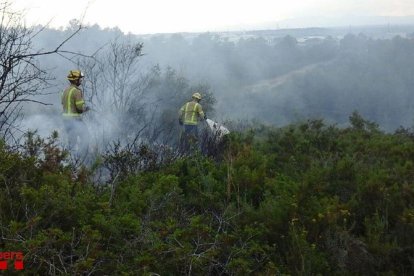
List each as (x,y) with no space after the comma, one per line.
(73,105)
(189,116)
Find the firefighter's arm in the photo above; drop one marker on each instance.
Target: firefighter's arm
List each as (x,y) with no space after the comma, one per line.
(200,112)
(80,102)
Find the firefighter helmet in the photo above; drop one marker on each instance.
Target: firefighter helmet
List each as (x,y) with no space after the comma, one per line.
(75,75)
(197,96)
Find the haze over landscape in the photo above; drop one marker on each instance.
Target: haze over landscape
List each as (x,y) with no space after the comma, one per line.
(270,61)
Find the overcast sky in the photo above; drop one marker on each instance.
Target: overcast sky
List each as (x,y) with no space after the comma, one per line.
(164,16)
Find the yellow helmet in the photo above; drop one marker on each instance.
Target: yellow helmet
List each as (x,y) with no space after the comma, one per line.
(75,75)
(197,96)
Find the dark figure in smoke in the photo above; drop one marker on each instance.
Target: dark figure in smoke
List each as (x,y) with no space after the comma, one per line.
(189,116)
(73,106)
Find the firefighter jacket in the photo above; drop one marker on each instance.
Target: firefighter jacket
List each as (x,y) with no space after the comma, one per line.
(73,102)
(191,112)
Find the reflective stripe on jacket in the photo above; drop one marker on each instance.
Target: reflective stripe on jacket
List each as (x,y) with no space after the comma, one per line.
(73,102)
(191,112)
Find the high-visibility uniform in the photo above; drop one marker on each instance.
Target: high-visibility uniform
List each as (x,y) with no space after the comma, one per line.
(191,112)
(73,106)
(73,102)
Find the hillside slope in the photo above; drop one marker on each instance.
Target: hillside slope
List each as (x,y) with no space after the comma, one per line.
(309,198)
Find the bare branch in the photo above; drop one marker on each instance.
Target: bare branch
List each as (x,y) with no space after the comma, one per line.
(21,78)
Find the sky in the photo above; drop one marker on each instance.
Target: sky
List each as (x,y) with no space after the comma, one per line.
(170,16)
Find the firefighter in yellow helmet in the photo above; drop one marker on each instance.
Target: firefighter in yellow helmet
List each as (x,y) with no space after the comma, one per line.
(73,105)
(189,116)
